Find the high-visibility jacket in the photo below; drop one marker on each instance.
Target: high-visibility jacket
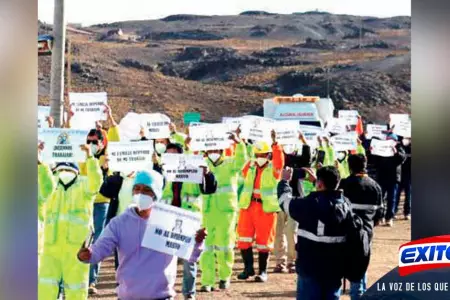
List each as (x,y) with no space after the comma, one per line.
(344,170)
(226,173)
(191,196)
(68,222)
(267,190)
(329,155)
(68,213)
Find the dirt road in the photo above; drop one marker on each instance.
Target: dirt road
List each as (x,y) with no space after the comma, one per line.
(281,286)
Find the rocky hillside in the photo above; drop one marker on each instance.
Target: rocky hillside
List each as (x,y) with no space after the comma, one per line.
(226,65)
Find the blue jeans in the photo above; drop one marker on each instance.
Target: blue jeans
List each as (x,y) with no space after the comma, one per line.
(390,193)
(100,211)
(312,289)
(357,289)
(189,278)
(405,185)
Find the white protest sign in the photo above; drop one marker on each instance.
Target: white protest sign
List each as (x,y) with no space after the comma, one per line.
(43,113)
(130,126)
(403,128)
(382,148)
(396,118)
(171,230)
(130,156)
(62,145)
(350,117)
(156,125)
(182,167)
(344,142)
(287,132)
(233,123)
(376,131)
(311,133)
(88,108)
(336,125)
(196,124)
(257,128)
(210,137)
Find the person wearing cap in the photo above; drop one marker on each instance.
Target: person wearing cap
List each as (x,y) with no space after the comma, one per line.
(388,176)
(68,200)
(143,273)
(220,216)
(259,207)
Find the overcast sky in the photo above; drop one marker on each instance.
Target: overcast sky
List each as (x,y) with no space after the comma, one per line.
(90,12)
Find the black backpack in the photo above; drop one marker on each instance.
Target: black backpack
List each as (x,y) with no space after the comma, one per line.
(357,249)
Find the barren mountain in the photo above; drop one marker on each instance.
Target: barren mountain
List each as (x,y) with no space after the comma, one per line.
(226,65)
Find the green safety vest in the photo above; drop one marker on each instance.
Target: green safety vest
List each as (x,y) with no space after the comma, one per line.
(191,197)
(268,189)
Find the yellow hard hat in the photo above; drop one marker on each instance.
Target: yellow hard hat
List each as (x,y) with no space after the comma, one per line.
(261,147)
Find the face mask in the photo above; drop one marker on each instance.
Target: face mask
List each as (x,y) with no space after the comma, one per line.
(261,161)
(214,156)
(341,156)
(94,149)
(142,201)
(66,176)
(160,148)
(406,142)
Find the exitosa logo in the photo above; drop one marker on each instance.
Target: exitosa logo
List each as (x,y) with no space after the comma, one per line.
(424,254)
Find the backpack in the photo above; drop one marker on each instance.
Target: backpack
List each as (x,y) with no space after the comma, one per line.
(357,249)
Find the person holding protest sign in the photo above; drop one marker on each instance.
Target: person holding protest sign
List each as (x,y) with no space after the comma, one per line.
(68,215)
(366,198)
(389,176)
(143,273)
(188,196)
(286,229)
(341,162)
(258,207)
(405,182)
(220,214)
(160,145)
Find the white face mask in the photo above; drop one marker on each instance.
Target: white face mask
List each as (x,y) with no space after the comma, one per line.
(160,148)
(66,176)
(142,201)
(94,149)
(214,156)
(340,156)
(261,161)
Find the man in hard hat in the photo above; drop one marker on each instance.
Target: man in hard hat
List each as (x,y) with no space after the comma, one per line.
(259,207)
(68,222)
(220,215)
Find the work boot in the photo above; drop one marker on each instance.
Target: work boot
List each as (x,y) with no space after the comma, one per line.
(280,268)
(247,256)
(224,284)
(263,258)
(206,289)
(92,290)
(291,268)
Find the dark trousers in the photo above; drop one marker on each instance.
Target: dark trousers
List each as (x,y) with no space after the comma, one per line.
(405,186)
(390,198)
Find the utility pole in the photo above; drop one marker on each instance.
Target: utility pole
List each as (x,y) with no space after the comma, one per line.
(360,34)
(57,76)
